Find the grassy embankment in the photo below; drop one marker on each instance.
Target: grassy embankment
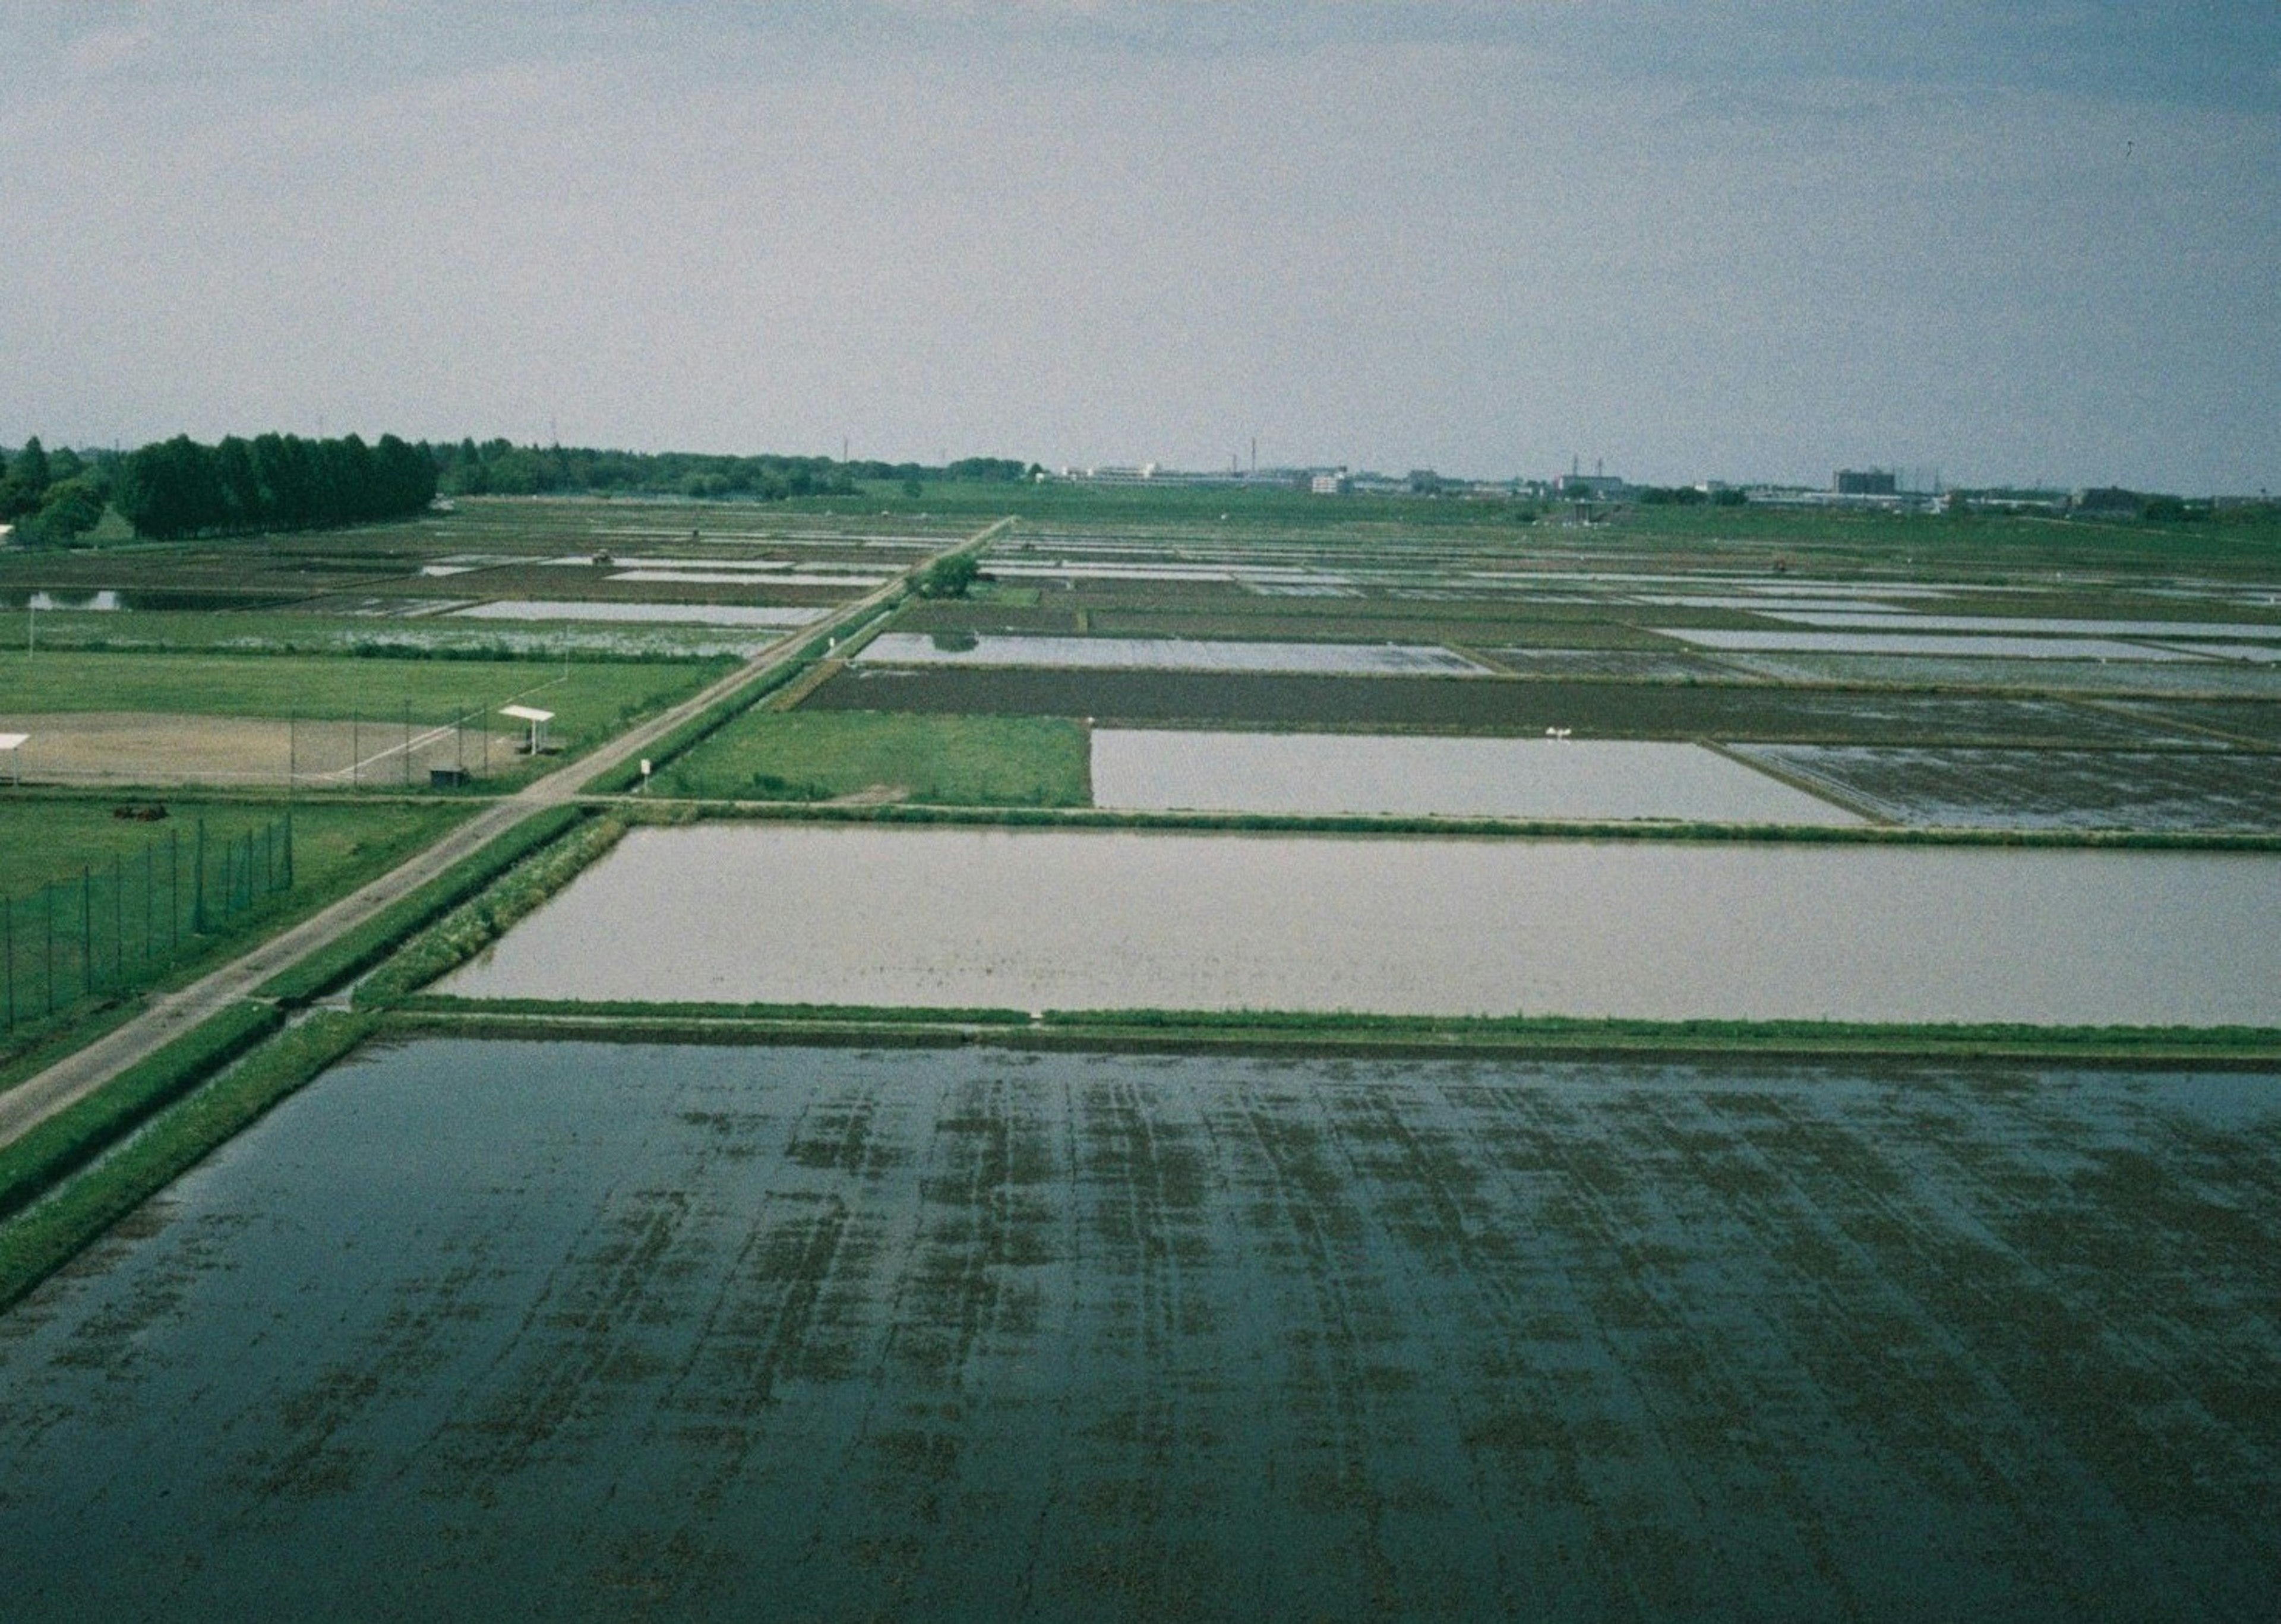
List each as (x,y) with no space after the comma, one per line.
(1268,823)
(1337,1032)
(72,1177)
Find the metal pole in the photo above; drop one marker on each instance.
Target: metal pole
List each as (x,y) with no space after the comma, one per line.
(48,893)
(408,744)
(198,883)
(86,930)
(118,920)
(150,876)
(288,846)
(174,889)
(8,914)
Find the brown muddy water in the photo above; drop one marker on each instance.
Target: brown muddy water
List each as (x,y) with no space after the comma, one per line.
(1036,919)
(562,1331)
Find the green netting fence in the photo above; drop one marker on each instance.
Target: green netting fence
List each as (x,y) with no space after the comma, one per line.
(127,921)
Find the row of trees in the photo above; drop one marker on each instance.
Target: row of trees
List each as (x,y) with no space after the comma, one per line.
(499,467)
(51,498)
(178,487)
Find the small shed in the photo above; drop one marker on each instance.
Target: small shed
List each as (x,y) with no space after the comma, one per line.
(537,718)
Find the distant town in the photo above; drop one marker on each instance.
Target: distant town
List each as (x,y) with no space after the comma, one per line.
(1599,492)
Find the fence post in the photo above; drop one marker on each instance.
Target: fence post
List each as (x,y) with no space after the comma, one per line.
(408,744)
(86,930)
(174,890)
(118,920)
(48,899)
(8,914)
(198,884)
(288,846)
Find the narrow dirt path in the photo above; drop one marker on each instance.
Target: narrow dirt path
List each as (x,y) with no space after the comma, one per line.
(171,1014)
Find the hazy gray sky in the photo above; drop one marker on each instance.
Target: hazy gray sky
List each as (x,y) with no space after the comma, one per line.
(2033,241)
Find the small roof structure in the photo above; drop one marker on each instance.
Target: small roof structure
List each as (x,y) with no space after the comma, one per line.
(12,743)
(537,718)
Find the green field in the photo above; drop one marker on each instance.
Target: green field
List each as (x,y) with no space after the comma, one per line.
(97,904)
(950,761)
(45,840)
(590,702)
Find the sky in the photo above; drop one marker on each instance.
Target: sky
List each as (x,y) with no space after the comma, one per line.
(1726,239)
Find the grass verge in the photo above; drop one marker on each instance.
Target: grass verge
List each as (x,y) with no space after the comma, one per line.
(357,950)
(42,1238)
(516,888)
(1324,1032)
(680,740)
(69,1140)
(1265,822)
(942,760)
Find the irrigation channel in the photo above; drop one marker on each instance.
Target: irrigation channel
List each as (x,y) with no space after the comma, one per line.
(80,1073)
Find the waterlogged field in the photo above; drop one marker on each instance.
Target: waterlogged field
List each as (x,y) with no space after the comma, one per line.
(493,1330)
(1604,709)
(2043,789)
(1166,655)
(1317,773)
(1064,920)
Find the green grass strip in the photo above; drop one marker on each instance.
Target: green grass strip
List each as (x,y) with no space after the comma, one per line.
(627,775)
(74,1136)
(445,1003)
(357,950)
(37,1241)
(1894,1037)
(465,930)
(1277,1029)
(1269,823)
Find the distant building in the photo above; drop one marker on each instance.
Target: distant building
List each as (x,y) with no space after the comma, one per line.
(1590,488)
(1335,483)
(1865,482)
(2107,500)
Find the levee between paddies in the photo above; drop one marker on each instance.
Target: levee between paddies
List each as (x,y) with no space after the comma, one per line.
(1119,919)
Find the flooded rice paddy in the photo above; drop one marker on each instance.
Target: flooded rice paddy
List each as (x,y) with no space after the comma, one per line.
(1323,773)
(660,614)
(1168,655)
(551,1331)
(2212,790)
(1926,642)
(1035,919)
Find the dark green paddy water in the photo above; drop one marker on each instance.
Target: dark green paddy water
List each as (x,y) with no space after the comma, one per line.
(551,1330)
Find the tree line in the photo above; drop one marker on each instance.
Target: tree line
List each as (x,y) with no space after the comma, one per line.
(53,497)
(271,481)
(178,488)
(500,467)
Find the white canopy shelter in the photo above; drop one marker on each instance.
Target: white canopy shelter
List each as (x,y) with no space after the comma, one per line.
(12,744)
(537,718)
